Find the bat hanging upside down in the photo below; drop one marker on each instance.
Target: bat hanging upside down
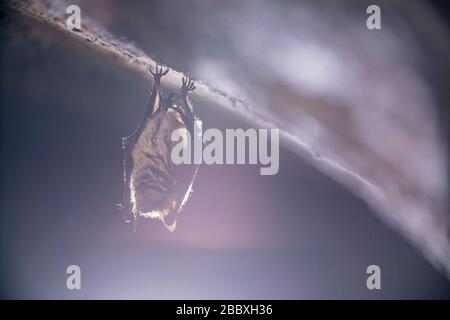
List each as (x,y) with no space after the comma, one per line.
(155,187)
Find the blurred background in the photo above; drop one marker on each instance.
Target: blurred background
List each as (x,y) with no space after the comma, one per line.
(374,102)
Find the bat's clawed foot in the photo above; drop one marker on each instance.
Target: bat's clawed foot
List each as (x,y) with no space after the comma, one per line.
(187,85)
(159,71)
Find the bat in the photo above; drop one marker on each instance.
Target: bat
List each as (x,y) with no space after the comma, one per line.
(155,187)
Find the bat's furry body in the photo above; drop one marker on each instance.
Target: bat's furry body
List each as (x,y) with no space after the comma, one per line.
(154,186)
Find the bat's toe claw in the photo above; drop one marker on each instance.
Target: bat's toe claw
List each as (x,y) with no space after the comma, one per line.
(187,85)
(159,71)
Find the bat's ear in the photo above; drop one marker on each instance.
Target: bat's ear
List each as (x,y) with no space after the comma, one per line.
(172,215)
(171,227)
